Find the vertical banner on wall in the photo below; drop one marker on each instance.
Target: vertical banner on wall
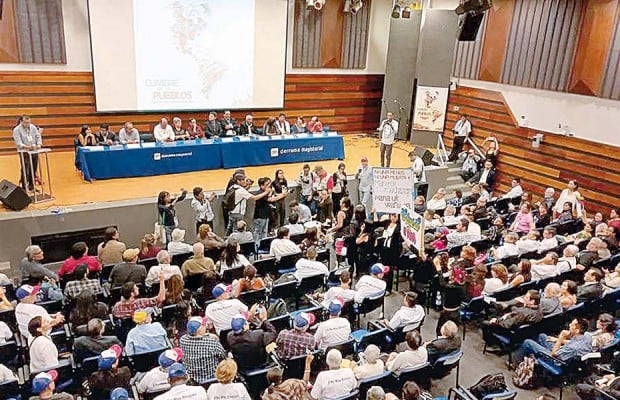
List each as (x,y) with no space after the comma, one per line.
(412,227)
(429,113)
(392,189)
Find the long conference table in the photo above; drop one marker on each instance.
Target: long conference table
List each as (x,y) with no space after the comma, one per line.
(148,159)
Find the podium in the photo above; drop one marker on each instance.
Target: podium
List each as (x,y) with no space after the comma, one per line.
(32,171)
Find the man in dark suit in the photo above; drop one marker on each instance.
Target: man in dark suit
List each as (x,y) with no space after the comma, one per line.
(592,288)
(448,342)
(247,127)
(485,175)
(212,127)
(229,125)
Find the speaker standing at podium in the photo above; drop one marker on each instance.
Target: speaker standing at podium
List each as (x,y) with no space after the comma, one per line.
(388,129)
(461,130)
(27,137)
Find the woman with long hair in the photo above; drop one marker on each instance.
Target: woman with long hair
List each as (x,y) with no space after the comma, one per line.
(208,238)
(148,247)
(524,273)
(497,281)
(337,184)
(270,127)
(568,294)
(166,212)
(391,249)
(343,219)
(492,151)
(86,308)
(365,248)
(313,238)
(543,218)
(231,258)
(249,281)
(174,290)
(110,251)
(86,137)
(569,195)
(280,186)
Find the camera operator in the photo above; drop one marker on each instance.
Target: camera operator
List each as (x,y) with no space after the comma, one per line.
(166,212)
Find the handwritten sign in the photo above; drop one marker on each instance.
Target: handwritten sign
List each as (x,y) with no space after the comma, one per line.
(412,227)
(392,189)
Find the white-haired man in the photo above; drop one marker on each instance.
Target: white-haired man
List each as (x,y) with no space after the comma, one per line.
(163,132)
(335,382)
(163,259)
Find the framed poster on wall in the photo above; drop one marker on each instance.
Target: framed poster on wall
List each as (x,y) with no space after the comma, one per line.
(429,113)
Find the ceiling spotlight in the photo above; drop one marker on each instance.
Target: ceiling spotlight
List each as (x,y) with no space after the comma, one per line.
(318,4)
(396,11)
(473,6)
(309,4)
(406,12)
(356,6)
(347,6)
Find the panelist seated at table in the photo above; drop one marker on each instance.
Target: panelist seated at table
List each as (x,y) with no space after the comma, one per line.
(315,126)
(194,130)
(105,137)
(299,126)
(229,125)
(128,134)
(86,137)
(284,128)
(212,126)
(270,128)
(163,132)
(180,133)
(247,127)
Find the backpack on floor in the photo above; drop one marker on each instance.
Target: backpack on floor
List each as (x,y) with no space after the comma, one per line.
(523,376)
(489,384)
(277,308)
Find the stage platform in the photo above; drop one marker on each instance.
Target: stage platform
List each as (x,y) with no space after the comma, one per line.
(69,189)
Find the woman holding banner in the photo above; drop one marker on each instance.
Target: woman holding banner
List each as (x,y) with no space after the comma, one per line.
(391,249)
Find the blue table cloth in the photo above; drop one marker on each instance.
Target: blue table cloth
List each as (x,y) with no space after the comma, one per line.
(148,159)
(266,150)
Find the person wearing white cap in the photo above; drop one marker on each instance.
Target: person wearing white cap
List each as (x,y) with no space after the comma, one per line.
(26,309)
(336,329)
(335,382)
(202,351)
(164,259)
(297,341)
(248,345)
(222,311)
(43,385)
(109,374)
(176,245)
(373,284)
(179,389)
(156,380)
(146,336)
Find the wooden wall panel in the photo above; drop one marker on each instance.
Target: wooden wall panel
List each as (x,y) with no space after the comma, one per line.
(8,39)
(558,159)
(332,35)
(63,101)
(495,40)
(593,45)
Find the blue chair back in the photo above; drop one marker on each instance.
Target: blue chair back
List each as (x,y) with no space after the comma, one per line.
(507,395)
(386,380)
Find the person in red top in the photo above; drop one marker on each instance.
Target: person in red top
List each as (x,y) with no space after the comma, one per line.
(79,255)
(148,247)
(315,126)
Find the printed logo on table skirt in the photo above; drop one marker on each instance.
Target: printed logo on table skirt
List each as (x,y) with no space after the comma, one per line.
(274,152)
(156,156)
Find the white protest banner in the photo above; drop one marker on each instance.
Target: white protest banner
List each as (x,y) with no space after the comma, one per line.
(430,108)
(392,189)
(412,227)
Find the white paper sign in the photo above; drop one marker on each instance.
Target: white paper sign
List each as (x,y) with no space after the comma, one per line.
(392,189)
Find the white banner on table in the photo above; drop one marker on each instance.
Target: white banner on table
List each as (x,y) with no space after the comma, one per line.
(429,113)
(392,189)
(412,227)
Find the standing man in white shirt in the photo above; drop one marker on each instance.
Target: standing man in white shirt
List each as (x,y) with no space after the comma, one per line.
(388,129)
(241,197)
(163,132)
(417,166)
(364,174)
(461,130)
(203,209)
(28,137)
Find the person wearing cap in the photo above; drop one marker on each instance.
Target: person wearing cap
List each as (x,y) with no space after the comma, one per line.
(130,302)
(94,342)
(79,255)
(26,309)
(147,335)
(222,311)
(336,329)
(43,352)
(372,364)
(297,341)
(409,313)
(343,290)
(119,394)
(225,388)
(43,385)
(74,288)
(179,389)
(109,374)
(309,266)
(198,263)
(31,267)
(248,345)
(163,258)
(241,197)
(156,380)
(371,285)
(177,244)
(129,270)
(336,381)
(282,245)
(201,351)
